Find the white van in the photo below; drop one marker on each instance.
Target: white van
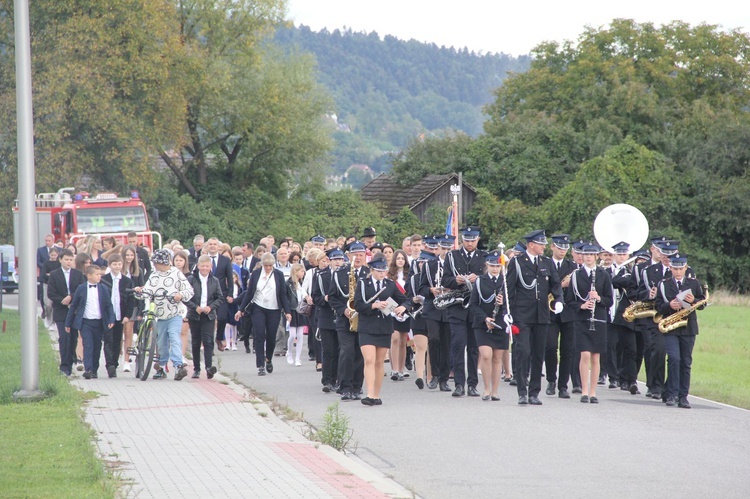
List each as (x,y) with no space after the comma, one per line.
(10,276)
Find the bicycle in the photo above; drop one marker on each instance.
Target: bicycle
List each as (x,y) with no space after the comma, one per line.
(145,347)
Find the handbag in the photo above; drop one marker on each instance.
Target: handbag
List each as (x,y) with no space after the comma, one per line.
(304,308)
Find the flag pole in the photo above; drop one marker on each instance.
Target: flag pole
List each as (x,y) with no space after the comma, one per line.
(455,190)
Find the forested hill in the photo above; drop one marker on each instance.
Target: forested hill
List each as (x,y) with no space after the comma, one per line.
(388,90)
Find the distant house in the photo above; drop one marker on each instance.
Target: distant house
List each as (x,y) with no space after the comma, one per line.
(419,197)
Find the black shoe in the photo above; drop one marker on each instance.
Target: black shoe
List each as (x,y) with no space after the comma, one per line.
(87,375)
(210,372)
(420,383)
(523,400)
(533,400)
(602,380)
(327,388)
(367,401)
(563,394)
(112,371)
(94,375)
(472,392)
(459,391)
(377,402)
(261,371)
(495,399)
(576,389)
(196,375)
(394,376)
(444,387)
(633,389)
(648,393)
(683,403)
(624,386)
(612,385)
(311,358)
(160,374)
(336,388)
(269,366)
(346,396)
(656,395)
(584,399)
(594,400)
(181,372)
(671,401)
(356,395)
(550,388)
(409,365)
(513,382)
(432,384)
(486,398)
(247,349)
(508,380)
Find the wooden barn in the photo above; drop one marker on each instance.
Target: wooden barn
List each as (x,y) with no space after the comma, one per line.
(419,197)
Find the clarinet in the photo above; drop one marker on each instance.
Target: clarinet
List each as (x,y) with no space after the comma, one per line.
(592,326)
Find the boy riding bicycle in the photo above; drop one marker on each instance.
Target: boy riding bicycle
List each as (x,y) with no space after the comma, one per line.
(166,279)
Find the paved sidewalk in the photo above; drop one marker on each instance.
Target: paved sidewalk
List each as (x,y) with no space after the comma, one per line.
(213,438)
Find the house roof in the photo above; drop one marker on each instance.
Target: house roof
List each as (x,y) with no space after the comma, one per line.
(385,191)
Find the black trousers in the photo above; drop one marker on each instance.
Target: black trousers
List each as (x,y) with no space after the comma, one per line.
(351,363)
(67,343)
(680,353)
(439,347)
(629,367)
(202,332)
(564,333)
(113,344)
(528,355)
(221,327)
(92,332)
(614,361)
(330,355)
(657,359)
(640,326)
(265,323)
(463,342)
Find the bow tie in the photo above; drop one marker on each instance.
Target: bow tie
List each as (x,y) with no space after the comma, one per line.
(92,285)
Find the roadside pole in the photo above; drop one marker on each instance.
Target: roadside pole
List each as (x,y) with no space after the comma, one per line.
(26,187)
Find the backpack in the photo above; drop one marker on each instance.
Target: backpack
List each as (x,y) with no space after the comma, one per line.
(292,295)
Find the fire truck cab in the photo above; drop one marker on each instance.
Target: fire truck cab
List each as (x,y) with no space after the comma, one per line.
(71,218)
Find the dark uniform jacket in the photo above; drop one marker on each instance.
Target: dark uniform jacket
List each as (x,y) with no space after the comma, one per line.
(57,290)
(457,262)
(412,288)
(320,286)
(429,279)
(580,285)
(567,267)
(530,306)
(621,283)
(338,292)
(74,319)
(667,290)
(373,321)
(482,302)
(214,297)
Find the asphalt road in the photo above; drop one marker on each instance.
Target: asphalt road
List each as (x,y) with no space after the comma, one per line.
(443,447)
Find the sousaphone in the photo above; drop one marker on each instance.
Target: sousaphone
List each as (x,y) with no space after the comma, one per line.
(621,222)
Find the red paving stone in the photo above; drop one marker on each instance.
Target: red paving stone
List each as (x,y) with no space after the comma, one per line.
(324,471)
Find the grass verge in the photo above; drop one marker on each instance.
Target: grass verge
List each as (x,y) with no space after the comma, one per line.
(45,447)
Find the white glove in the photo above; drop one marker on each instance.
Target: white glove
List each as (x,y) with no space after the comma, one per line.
(558,308)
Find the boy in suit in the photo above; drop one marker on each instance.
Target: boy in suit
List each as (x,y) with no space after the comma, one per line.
(62,282)
(91,313)
(123,304)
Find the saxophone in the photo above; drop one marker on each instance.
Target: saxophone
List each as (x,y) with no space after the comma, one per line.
(353,314)
(639,310)
(679,319)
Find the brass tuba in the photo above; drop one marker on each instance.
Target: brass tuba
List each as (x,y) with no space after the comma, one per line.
(679,318)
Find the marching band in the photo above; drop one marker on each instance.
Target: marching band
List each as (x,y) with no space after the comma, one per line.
(610,307)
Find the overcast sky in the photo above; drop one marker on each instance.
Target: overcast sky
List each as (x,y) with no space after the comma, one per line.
(509,27)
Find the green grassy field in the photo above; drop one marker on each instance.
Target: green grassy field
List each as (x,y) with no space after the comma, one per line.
(721,358)
(46,449)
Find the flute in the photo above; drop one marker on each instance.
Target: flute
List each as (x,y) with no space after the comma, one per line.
(592,326)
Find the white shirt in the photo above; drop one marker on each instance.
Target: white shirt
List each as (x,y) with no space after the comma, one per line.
(66,274)
(92,310)
(116,295)
(265,292)
(286,269)
(533,258)
(204,290)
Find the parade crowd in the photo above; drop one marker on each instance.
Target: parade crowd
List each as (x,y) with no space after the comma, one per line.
(433,309)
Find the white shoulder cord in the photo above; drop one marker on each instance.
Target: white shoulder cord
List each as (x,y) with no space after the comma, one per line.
(336,279)
(520,277)
(574,283)
(479,291)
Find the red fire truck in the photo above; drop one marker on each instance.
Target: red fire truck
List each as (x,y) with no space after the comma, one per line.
(70,218)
